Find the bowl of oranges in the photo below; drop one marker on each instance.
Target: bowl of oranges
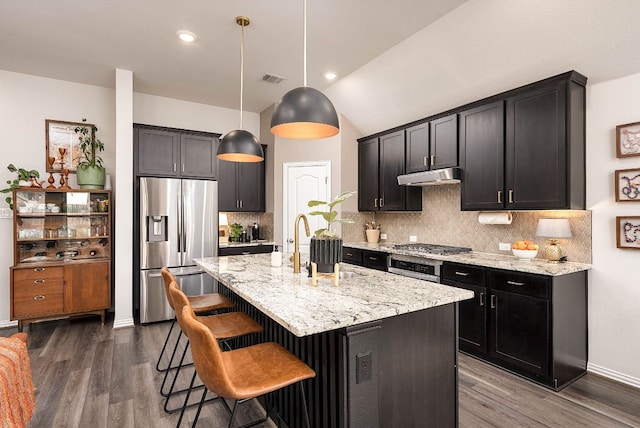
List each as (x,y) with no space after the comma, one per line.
(525,250)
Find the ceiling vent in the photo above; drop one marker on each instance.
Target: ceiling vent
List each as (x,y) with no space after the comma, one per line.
(272,78)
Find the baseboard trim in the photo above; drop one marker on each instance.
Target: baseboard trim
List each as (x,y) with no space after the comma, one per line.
(614,375)
(128,322)
(7,324)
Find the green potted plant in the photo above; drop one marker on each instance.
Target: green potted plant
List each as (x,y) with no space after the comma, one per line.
(23,179)
(91,172)
(234,232)
(325,248)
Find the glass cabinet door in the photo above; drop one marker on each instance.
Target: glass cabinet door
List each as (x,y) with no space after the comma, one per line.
(58,225)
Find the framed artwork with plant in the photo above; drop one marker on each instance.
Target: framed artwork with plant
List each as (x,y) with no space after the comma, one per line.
(628,232)
(63,149)
(628,140)
(627,185)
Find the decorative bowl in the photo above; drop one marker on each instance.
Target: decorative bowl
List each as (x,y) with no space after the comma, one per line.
(525,254)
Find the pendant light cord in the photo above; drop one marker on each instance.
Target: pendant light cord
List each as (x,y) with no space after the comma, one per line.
(241,72)
(304,40)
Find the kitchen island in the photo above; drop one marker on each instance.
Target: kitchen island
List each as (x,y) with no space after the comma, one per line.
(384,347)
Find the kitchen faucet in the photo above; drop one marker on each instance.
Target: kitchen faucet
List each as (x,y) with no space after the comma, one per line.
(296,244)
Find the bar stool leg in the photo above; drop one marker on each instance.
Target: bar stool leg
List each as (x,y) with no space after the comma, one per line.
(164,347)
(304,405)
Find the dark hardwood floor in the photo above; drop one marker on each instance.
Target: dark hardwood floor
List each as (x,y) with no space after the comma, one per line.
(88,375)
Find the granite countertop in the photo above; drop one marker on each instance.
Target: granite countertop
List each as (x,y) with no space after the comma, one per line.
(498,261)
(245,244)
(303,309)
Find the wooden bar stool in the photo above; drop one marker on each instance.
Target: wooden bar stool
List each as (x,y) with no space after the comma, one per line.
(227,326)
(204,304)
(241,374)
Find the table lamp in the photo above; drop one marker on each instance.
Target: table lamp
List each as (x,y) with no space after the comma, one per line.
(223,228)
(553,228)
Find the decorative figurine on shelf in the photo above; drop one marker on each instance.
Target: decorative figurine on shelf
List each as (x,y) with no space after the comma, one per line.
(33,182)
(62,151)
(66,180)
(51,160)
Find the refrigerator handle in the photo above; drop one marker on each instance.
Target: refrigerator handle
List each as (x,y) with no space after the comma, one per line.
(179,223)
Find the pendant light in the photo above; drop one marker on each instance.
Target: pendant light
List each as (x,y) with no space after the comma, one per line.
(240,145)
(305,113)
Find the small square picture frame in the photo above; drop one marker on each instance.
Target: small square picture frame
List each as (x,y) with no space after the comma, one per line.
(627,185)
(628,232)
(628,140)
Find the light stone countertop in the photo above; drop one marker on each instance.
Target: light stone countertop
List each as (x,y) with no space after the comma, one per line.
(498,261)
(303,309)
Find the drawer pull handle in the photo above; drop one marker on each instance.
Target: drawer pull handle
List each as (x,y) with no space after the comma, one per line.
(38,281)
(349,254)
(494,301)
(515,283)
(39,269)
(462,273)
(245,253)
(40,297)
(481,299)
(375,259)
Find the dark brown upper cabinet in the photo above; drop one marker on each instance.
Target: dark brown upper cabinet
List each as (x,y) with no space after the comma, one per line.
(241,186)
(380,161)
(432,145)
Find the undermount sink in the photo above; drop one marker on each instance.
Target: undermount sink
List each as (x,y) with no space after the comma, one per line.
(347,274)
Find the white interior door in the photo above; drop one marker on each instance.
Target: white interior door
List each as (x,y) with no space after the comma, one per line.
(302,182)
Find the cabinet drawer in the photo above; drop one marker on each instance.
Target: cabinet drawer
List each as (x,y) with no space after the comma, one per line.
(374,260)
(520,283)
(352,255)
(463,273)
(38,273)
(30,298)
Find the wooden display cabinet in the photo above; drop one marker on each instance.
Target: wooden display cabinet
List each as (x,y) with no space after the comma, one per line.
(62,253)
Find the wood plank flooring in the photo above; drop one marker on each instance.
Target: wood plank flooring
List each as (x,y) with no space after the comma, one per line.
(88,375)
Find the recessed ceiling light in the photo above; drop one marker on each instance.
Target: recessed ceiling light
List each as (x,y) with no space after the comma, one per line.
(187,36)
(330,75)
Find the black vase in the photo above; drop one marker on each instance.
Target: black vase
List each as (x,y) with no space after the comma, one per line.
(325,252)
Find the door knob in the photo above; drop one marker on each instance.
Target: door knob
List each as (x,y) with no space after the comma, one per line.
(290,241)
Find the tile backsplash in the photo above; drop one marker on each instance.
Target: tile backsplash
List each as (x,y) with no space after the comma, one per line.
(442,222)
(264,220)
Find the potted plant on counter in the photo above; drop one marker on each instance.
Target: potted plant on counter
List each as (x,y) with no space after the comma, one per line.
(91,172)
(325,248)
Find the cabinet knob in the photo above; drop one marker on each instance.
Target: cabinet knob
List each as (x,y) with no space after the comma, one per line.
(515,283)
(433,160)
(462,273)
(174,167)
(375,202)
(290,241)
(375,259)
(481,299)
(499,196)
(494,301)
(424,161)
(40,297)
(38,281)
(39,269)
(510,196)
(381,202)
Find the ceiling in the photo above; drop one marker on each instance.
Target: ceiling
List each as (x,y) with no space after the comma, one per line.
(85,40)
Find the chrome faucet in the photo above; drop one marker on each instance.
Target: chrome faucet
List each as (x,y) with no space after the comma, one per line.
(296,242)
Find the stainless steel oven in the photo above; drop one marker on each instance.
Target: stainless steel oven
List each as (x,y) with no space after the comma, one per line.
(415,267)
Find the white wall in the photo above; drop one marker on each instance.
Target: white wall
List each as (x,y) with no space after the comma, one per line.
(26,101)
(614,285)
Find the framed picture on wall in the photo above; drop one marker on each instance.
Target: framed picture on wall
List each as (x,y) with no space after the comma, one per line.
(628,232)
(63,145)
(628,140)
(627,185)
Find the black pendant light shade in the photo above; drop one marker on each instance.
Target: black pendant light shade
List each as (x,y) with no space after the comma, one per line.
(240,146)
(303,114)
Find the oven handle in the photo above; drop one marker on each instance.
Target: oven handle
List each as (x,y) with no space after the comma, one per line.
(416,275)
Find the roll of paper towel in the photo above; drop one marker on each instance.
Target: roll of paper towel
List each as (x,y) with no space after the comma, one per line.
(495,218)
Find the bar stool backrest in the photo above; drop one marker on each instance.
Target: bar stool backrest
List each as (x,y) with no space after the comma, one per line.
(206,353)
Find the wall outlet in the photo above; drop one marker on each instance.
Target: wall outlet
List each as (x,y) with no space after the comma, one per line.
(383,236)
(363,367)
(504,246)
(413,238)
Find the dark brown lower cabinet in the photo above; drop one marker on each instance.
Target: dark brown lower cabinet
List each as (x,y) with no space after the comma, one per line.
(532,325)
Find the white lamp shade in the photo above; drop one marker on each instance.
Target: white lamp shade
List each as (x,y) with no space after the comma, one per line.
(553,228)
(223,220)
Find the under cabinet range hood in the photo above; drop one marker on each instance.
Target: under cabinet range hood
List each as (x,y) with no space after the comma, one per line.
(430,178)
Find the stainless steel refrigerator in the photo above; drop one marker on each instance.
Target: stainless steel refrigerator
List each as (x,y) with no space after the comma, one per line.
(178,222)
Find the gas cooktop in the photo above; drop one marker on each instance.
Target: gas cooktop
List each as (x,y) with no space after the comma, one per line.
(443,250)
